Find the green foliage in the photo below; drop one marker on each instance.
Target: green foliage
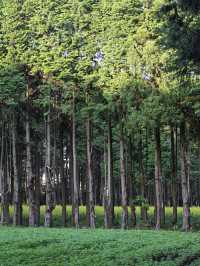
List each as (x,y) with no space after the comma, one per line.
(12,85)
(100,247)
(141,201)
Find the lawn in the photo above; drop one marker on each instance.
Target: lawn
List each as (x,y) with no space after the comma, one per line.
(67,247)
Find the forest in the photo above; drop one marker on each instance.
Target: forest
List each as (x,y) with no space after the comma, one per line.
(100,115)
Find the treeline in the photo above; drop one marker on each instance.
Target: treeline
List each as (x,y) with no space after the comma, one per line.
(99,105)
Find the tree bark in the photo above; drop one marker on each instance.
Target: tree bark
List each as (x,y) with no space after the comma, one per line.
(17,203)
(158,180)
(124,222)
(75,200)
(63,181)
(130,184)
(144,217)
(50,200)
(109,208)
(91,210)
(38,184)
(185,177)
(30,177)
(174,173)
(4,179)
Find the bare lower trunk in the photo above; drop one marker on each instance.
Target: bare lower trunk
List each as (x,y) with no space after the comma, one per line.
(30,177)
(185,177)
(4,179)
(158,181)
(124,222)
(38,185)
(91,211)
(63,181)
(50,200)
(174,173)
(17,204)
(144,217)
(130,185)
(75,200)
(109,208)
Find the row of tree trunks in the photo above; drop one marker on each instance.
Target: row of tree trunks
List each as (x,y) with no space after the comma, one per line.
(126,176)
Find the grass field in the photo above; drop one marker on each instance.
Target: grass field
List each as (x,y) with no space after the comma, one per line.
(67,247)
(195,213)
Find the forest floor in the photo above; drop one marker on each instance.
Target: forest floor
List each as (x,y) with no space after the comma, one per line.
(99,211)
(69,247)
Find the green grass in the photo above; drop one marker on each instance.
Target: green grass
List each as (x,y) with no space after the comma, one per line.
(195,213)
(68,247)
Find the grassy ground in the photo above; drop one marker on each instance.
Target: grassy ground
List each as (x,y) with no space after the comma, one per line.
(195,213)
(68,247)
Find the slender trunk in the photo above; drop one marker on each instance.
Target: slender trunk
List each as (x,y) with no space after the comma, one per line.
(91,211)
(96,166)
(17,203)
(30,177)
(158,181)
(37,185)
(75,200)
(50,201)
(144,217)
(185,177)
(105,184)
(124,222)
(174,174)
(109,210)
(130,185)
(63,181)
(4,179)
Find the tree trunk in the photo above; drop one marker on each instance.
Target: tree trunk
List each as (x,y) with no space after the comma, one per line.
(158,181)
(96,167)
(63,181)
(17,203)
(185,177)
(37,184)
(30,177)
(50,201)
(4,179)
(91,211)
(130,185)
(75,200)
(109,208)
(174,173)
(144,217)
(124,222)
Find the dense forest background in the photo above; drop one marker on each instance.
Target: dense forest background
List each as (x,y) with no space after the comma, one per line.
(99,106)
